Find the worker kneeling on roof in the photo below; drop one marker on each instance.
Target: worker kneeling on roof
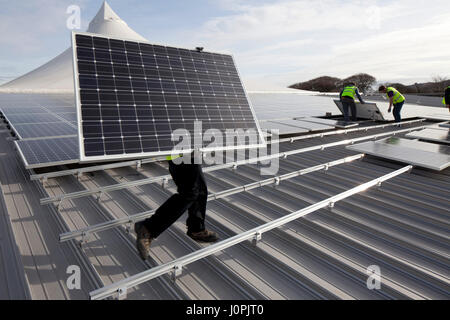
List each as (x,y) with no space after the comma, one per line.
(348,97)
(396,99)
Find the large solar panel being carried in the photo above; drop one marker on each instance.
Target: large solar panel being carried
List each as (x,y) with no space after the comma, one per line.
(131,97)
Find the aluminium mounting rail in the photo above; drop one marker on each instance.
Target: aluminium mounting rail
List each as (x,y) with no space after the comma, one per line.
(255,234)
(166,178)
(56,174)
(138,163)
(86,232)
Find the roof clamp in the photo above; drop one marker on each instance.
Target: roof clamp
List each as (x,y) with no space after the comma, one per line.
(99,196)
(165,183)
(277,181)
(235,166)
(257,238)
(129,226)
(84,239)
(379,184)
(292,140)
(138,165)
(122,293)
(58,206)
(79,175)
(322,135)
(285,155)
(327,166)
(331,205)
(177,271)
(322,148)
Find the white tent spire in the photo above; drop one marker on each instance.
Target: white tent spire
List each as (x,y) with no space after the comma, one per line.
(57,74)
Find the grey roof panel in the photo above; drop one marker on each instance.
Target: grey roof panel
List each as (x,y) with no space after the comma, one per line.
(282,129)
(441,136)
(426,155)
(330,122)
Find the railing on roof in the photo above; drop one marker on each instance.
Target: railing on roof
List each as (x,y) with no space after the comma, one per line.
(138,163)
(254,234)
(166,178)
(86,232)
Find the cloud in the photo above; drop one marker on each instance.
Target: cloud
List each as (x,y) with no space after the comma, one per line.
(290,41)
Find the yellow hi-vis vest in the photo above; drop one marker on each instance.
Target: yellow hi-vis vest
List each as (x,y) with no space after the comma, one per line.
(398,97)
(443,101)
(170,158)
(349,91)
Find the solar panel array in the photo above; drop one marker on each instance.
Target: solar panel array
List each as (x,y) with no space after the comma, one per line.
(39,121)
(133,96)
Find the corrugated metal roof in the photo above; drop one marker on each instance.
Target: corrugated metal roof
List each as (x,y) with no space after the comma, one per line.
(402,227)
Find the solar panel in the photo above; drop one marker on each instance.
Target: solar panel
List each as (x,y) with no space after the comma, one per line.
(330,122)
(131,97)
(48,152)
(445,125)
(422,154)
(282,129)
(441,136)
(368,111)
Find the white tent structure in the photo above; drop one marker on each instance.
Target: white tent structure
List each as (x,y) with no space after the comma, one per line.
(56,76)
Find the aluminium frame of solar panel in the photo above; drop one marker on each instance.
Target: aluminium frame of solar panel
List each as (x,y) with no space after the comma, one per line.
(84,158)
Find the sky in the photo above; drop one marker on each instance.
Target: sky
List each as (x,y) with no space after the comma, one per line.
(275,42)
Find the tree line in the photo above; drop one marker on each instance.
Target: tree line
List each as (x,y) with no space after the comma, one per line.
(366,84)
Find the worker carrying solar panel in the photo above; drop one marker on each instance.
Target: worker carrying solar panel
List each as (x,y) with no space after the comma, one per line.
(396,99)
(446,100)
(348,97)
(192,196)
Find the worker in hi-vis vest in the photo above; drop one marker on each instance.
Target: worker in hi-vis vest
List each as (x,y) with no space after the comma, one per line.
(396,99)
(192,195)
(348,97)
(446,100)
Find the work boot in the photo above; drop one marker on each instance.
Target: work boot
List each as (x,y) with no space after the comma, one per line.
(143,240)
(204,236)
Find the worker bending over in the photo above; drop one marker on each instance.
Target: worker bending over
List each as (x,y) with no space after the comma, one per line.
(396,99)
(348,97)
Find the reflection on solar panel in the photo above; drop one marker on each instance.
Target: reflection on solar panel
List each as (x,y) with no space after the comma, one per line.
(421,154)
(282,129)
(132,96)
(48,152)
(368,111)
(25,118)
(442,136)
(330,122)
(35,131)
